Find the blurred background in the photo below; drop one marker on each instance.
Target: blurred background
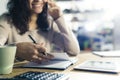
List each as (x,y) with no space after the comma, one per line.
(95,23)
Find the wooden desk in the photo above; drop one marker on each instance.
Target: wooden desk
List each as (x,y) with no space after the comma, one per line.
(74,75)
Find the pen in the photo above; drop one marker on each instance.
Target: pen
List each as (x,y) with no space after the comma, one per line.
(32,39)
(36,43)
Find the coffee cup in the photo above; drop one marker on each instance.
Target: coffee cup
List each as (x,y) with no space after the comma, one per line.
(7,57)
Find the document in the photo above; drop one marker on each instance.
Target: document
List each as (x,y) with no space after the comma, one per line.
(99,66)
(60,61)
(115,53)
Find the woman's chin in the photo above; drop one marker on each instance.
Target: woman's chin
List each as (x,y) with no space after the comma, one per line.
(37,11)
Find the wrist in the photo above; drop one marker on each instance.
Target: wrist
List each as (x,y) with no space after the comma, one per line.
(56,18)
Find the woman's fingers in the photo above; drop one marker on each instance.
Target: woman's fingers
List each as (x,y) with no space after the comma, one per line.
(39,54)
(51,3)
(41,47)
(36,59)
(54,10)
(45,0)
(47,56)
(41,57)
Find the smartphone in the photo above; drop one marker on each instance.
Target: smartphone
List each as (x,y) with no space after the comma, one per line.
(46,6)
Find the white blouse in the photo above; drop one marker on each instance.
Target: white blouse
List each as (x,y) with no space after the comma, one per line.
(59,37)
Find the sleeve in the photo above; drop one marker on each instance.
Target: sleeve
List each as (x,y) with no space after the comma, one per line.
(65,38)
(4,30)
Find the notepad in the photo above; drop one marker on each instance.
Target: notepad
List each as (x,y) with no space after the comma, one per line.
(99,66)
(61,61)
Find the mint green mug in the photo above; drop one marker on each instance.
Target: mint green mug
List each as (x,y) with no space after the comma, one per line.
(7,56)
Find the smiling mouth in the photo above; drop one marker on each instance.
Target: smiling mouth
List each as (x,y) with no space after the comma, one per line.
(36,5)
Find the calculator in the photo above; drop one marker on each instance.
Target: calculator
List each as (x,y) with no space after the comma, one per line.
(33,75)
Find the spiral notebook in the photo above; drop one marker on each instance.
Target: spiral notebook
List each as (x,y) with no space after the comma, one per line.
(61,61)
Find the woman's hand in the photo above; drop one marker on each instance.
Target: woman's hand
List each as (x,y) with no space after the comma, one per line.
(32,52)
(54,10)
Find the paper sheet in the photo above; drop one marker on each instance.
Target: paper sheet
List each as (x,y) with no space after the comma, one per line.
(115,53)
(60,56)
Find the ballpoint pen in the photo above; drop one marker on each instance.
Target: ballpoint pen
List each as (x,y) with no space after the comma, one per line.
(36,43)
(32,39)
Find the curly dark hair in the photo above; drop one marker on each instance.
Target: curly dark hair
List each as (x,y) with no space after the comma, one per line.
(19,11)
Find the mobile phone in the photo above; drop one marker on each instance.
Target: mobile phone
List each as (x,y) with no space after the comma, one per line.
(46,6)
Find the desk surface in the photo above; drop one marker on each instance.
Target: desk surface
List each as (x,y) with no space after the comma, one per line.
(74,75)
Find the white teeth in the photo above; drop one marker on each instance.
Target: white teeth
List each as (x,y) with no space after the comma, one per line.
(37,5)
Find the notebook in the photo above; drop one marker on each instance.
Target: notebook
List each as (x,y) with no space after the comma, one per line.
(61,61)
(99,66)
(115,53)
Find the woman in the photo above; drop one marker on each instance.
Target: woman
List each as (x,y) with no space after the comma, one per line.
(45,25)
